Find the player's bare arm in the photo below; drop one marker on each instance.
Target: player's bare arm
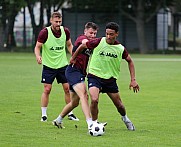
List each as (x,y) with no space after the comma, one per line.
(37,52)
(78,51)
(133,84)
(69,46)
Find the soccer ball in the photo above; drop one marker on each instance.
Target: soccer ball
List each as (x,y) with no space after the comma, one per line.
(97,129)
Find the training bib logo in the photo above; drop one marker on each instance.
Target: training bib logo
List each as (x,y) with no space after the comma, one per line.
(102,53)
(56,48)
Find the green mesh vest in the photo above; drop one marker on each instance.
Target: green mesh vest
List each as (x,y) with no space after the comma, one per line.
(106,59)
(53,50)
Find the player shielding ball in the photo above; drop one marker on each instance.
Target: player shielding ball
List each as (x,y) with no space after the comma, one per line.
(104,70)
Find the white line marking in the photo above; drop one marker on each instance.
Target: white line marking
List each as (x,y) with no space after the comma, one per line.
(158,59)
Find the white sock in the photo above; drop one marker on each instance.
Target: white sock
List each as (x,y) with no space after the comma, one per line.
(94,121)
(59,119)
(125,118)
(89,121)
(44,111)
(70,113)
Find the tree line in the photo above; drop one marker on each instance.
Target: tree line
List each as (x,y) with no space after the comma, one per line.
(139,11)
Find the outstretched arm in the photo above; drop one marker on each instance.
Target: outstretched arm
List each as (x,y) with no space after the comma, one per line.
(133,82)
(78,51)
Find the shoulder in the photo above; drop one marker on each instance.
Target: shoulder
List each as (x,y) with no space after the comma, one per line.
(66,30)
(125,54)
(95,41)
(82,37)
(117,42)
(67,33)
(43,31)
(79,39)
(42,37)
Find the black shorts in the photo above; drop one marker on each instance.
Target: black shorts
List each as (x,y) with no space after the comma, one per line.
(104,85)
(49,74)
(74,76)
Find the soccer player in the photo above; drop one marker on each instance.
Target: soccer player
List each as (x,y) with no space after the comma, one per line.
(76,74)
(104,70)
(53,41)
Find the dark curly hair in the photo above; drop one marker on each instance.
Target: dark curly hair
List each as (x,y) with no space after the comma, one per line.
(112,26)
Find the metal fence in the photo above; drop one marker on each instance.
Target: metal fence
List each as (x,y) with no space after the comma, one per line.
(158,31)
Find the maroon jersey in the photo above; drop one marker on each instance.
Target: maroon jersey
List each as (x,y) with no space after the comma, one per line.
(94,43)
(43,35)
(83,58)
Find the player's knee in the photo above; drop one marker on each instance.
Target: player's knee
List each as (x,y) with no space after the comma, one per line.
(47,90)
(66,90)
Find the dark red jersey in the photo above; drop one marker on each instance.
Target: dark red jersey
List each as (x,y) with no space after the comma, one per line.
(83,58)
(43,35)
(94,43)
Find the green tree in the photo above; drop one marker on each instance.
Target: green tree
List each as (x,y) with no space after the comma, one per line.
(9,10)
(36,27)
(46,5)
(56,5)
(139,11)
(177,5)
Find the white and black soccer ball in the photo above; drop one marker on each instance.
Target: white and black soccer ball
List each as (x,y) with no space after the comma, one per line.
(97,129)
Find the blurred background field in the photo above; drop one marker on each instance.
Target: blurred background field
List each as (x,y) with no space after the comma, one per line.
(155,110)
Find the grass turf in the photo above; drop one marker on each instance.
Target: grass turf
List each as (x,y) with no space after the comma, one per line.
(155,110)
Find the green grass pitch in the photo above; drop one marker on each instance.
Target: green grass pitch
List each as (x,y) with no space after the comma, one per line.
(155,110)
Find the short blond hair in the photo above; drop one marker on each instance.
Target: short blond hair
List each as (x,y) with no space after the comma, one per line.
(56,14)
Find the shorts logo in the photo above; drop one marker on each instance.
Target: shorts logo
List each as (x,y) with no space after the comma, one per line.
(102,53)
(43,79)
(90,84)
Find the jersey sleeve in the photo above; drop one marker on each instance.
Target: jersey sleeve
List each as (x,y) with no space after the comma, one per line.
(67,33)
(125,54)
(43,35)
(93,43)
(79,40)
